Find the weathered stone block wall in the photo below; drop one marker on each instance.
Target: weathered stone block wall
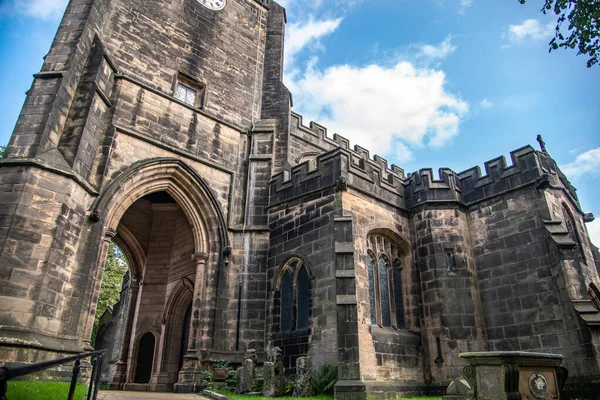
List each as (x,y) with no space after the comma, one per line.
(558,199)
(44,113)
(521,280)
(224,50)
(386,354)
(181,264)
(303,228)
(41,225)
(451,305)
(301,221)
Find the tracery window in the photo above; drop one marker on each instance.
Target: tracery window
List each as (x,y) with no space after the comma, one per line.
(294,293)
(385,282)
(572,229)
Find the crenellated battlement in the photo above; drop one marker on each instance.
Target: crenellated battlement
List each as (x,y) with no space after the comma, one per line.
(499,176)
(422,186)
(316,135)
(374,176)
(307,177)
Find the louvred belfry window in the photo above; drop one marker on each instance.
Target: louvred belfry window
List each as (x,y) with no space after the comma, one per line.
(294,294)
(385,282)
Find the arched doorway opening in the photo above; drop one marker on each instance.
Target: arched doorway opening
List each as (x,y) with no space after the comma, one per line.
(145,358)
(169,222)
(111,309)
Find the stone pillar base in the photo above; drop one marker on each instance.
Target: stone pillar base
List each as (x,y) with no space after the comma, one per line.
(186,387)
(190,377)
(119,377)
(350,390)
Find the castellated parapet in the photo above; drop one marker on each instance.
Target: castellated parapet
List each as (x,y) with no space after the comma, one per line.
(373,176)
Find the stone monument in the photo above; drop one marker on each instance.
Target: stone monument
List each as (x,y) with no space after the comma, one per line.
(274,376)
(246,379)
(514,375)
(303,386)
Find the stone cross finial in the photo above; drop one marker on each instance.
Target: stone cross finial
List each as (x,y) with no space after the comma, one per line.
(542,143)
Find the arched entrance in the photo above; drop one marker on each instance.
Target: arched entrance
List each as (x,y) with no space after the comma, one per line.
(145,358)
(165,218)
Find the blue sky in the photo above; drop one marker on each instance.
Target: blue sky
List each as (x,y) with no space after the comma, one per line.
(430,83)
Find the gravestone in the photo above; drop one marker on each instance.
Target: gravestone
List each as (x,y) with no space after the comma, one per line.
(246,379)
(303,386)
(458,389)
(514,375)
(273,372)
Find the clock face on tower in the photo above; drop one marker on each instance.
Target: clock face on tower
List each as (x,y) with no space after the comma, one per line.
(213,4)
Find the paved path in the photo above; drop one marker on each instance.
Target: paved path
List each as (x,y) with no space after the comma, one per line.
(121,395)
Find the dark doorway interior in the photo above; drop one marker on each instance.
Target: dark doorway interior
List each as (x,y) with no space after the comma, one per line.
(145,357)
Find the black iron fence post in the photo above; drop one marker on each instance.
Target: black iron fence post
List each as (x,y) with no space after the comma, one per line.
(76,369)
(11,372)
(3,388)
(98,375)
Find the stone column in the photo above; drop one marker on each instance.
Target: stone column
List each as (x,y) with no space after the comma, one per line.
(89,325)
(189,376)
(120,376)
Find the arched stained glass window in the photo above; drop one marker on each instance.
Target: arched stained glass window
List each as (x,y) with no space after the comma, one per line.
(372,289)
(303,301)
(294,290)
(285,320)
(385,281)
(397,278)
(384,292)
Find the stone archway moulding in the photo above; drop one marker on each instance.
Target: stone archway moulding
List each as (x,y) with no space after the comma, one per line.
(190,191)
(173,176)
(132,250)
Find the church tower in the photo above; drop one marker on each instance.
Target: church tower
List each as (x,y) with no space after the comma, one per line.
(146,127)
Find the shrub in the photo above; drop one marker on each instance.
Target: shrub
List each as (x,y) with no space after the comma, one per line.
(232,381)
(221,364)
(207,380)
(290,384)
(324,378)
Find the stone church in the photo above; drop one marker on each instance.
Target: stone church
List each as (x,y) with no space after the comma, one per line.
(164,126)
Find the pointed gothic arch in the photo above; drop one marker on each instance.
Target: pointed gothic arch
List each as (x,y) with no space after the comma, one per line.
(292,283)
(385,253)
(203,212)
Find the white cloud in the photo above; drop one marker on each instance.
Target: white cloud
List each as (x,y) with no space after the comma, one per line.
(436,52)
(285,3)
(402,153)
(377,107)
(530,29)
(593,229)
(585,163)
(464,4)
(486,104)
(301,35)
(43,9)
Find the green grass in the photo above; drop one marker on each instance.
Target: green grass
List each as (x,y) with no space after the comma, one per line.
(235,396)
(422,398)
(43,390)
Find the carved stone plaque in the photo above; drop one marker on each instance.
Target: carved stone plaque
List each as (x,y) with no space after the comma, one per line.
(538,386)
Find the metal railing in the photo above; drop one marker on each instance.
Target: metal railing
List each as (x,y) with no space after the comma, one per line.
(11,372)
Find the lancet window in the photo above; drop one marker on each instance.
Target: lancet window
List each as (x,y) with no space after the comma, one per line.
(294,294)
(385,282)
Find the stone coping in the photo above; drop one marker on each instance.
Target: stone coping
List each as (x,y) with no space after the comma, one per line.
(513,357)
